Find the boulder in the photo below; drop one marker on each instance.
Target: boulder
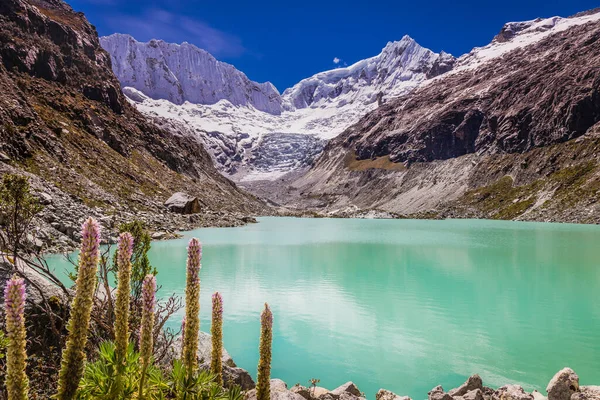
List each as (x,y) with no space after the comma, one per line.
(511,392)
(437,393)
(159,235)
(279,391)
(183,203)
(587,393)
(563,385)
(474,382)
(233,376)
(348,387)
(384,394)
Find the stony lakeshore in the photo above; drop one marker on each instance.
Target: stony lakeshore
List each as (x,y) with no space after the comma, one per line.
(563,386)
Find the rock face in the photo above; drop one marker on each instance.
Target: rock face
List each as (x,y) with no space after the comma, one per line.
(183,203)
(563,385)
(524,109)
(180,73)
(64,118)
(511,392)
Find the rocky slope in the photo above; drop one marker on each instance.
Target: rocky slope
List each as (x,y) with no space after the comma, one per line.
(233,125)
(64,120)
(510,132)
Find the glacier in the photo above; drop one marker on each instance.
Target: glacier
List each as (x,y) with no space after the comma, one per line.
(186,89)
(251,130)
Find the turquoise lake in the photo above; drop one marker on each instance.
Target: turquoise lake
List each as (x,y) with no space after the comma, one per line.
(401,304)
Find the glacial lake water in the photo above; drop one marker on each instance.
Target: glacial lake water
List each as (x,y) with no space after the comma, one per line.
(402,304)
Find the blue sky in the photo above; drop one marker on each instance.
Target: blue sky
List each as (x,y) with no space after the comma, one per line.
(285,41)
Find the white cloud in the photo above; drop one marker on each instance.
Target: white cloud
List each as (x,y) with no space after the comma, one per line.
(337,60)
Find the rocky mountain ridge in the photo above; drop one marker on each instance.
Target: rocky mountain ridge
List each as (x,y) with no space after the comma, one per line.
(511,138)
(64,120)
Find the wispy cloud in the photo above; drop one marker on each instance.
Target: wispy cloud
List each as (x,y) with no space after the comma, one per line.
(339,62)
(157,23)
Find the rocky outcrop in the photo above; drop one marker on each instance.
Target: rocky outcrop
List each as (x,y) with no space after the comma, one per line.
(183,203)
(528,114)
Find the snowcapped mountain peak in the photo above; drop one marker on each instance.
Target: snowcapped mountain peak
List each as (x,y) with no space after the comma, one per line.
(399,67)
(184,72)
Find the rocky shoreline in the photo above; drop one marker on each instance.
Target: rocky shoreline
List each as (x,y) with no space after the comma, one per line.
(564,385)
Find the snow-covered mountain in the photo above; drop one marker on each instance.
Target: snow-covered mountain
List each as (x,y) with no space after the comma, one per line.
(204,97)
(189,90)
(180,73)
(400,66)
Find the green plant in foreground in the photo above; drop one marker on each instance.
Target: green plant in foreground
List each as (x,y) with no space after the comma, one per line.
(192,308)
(263,384)
(100,376)
(216,330)
(199,386)
(146,344)
(16,379)
(73,356)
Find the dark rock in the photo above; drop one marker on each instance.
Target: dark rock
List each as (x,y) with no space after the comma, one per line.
(563,384)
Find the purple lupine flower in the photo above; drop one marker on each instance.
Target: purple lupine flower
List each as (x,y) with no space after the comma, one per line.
(125,248)
(194,257)
(15,296)
(90,244)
